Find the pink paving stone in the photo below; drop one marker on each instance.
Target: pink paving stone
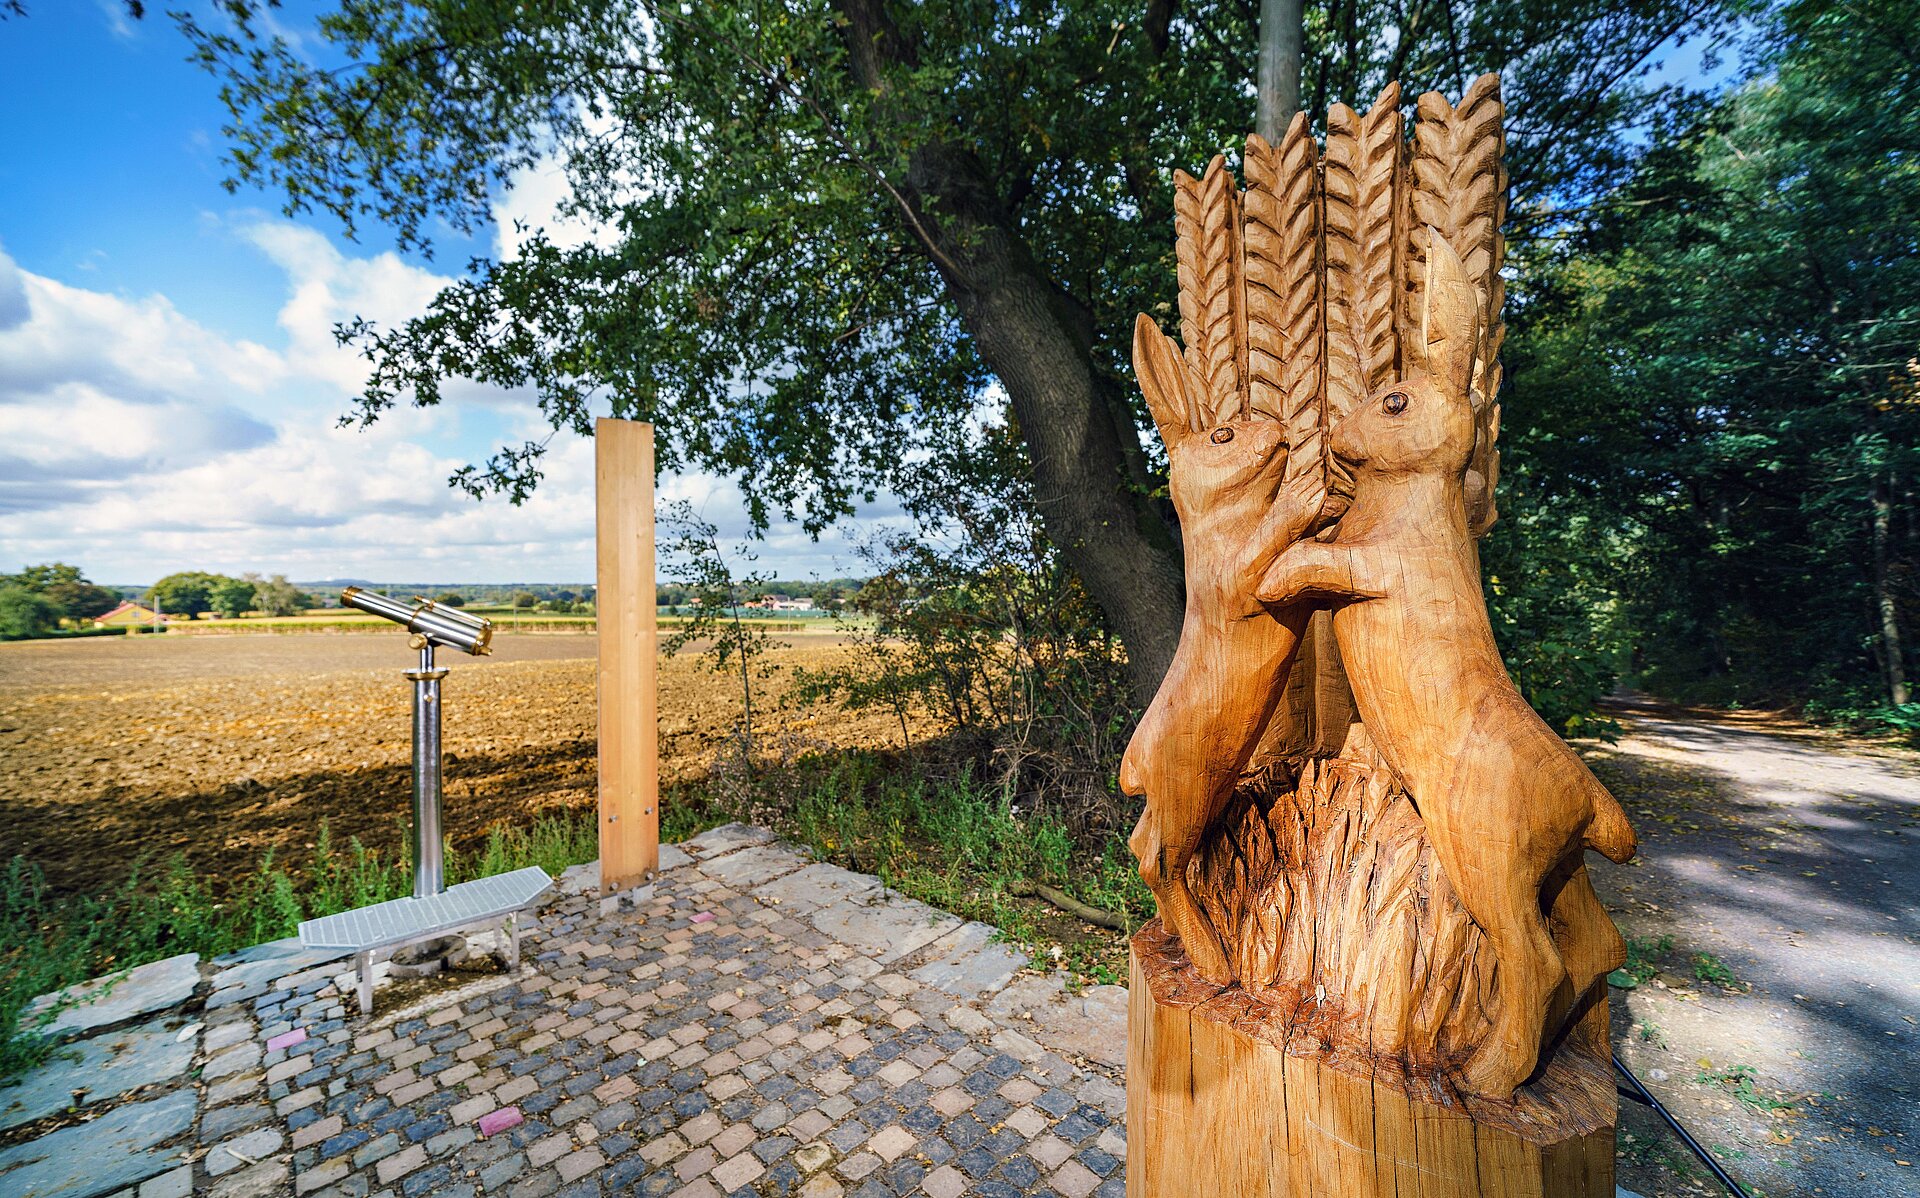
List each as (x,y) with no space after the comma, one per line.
(287,1039)
(495,1122)
(703,917)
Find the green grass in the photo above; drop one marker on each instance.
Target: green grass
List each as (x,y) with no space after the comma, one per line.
(1712,970)
(1642,954)
(47,943)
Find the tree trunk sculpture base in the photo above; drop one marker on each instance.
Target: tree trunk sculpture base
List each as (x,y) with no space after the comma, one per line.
(1224,1100)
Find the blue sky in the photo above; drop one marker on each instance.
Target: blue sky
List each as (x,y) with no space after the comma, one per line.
(168,379)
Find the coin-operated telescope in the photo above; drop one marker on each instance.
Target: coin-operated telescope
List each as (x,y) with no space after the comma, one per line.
(431,624)
(440,624)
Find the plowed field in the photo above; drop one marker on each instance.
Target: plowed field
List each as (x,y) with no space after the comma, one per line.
(222,747)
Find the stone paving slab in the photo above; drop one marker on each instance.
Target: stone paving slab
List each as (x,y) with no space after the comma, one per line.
(816,886)
(750,866)
(268,962)
(888,926)
(1044,1007)
(730,1034)
(725,839)
(970,963)
(116,999)
(121,1148)
(102,1068)
(708,1042)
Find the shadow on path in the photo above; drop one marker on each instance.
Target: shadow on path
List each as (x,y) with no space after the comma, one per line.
(1792,860)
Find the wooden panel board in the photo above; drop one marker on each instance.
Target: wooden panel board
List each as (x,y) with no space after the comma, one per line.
(629,655)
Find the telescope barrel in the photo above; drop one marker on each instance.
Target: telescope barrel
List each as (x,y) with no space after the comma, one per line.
(442,625)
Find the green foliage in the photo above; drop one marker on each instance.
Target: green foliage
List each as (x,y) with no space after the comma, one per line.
(815,213)
(452,599)
(950,839)
(974,621)
(187,593)
(233,597)
(1718,376)
(1643,954)
(25,613)
(1713,971)
(1741,1082)
(82,600)
(47,943)
(278,597)
(694,559)
(525,599)
(44,577)
(60,584)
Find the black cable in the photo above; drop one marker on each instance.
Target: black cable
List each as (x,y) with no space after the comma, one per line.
(1646,1098)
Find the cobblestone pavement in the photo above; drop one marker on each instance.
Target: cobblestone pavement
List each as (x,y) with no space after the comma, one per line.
(754,1024)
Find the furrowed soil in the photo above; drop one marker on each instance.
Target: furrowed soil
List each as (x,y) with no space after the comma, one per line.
(220,748)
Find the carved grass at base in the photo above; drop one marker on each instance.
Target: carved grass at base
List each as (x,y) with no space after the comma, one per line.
(1324,889)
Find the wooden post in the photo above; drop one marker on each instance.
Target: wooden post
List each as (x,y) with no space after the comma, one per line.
(629,663)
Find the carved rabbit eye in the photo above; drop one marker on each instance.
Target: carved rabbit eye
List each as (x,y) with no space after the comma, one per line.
(1395,403)
(1222,435)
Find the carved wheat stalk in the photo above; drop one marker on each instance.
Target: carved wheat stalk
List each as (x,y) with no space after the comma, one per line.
(1283,282)
(1459,186)
(1364,183)
(1206,215)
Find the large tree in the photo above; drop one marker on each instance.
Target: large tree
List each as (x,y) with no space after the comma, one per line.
(830,225)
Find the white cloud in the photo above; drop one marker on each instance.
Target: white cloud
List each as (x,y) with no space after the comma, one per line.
(135,441)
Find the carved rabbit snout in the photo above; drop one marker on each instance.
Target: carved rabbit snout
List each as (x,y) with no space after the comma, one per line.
(1410,427)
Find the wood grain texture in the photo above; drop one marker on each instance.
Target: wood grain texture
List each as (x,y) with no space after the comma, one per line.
(1365,846)
(1364,192)
(1222,1100)
(1284,273)
(1505,803)
(1206,213)
(1459,187)
(628,647)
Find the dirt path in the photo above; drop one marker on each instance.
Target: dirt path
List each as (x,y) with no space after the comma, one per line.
(1793,859)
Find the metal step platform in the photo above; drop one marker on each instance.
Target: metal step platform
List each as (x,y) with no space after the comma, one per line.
(380,930)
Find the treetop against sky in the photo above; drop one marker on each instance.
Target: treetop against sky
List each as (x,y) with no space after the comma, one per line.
(169,380)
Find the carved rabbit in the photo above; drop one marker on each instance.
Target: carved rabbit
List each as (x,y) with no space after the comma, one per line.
(1236,515)
(1507,805)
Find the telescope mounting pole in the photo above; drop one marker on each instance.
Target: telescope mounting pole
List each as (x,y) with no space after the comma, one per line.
(429,865)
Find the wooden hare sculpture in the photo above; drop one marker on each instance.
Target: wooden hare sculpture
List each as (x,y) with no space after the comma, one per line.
(1238,509)
(1506,804)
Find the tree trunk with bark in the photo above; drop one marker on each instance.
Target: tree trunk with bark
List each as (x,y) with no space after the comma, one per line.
(1039,341)
(1884,603)
(1282,45)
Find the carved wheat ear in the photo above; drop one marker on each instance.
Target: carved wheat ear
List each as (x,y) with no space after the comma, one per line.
(1283,284)
(1364,181)
(1170,391)
(1450,316)
(1460,188)
(1206,217)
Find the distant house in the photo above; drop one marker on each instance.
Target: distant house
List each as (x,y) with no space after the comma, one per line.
(127,613)
(777,602)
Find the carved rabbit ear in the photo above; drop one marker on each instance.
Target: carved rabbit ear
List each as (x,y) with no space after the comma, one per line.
(1449,319)
(1164,381)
